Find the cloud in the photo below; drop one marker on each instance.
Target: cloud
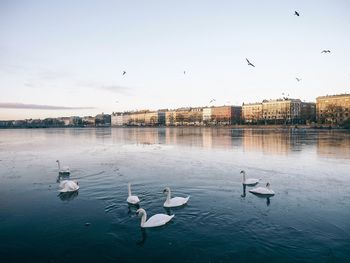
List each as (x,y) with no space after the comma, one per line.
(115,88)
(112,88)
(14,105)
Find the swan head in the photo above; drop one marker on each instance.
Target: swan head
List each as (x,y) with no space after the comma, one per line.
(267,185)
(57,161)
(166,190)
(140,211)
(242,172)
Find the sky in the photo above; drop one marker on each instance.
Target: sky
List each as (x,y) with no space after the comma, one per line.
(66,58)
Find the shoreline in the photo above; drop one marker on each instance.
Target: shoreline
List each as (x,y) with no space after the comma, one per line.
(238,126)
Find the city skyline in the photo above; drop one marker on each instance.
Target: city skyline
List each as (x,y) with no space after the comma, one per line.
(70,57)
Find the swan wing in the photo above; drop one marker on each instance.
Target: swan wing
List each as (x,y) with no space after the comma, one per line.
(251,181)
(133,199)
(68,186)
(262,191)
(176,201)
(158,220)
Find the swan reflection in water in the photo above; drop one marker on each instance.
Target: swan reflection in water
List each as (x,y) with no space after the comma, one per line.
(68,196)
(62,177)
(268,201)
(244,190)
(143,237)
(132,209)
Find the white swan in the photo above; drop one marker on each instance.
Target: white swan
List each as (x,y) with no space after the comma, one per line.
(249,181)
(153,221)
(266,191)
(132,199)
(63,170)
(175,201)
(69,186)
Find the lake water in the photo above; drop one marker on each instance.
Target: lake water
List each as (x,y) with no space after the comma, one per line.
(307,220)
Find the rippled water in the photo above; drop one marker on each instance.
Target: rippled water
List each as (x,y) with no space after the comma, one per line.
(307,220)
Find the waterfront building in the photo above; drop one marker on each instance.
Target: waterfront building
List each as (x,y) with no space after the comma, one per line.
(333,109)
(281,111)
(222,115)
(307,112)
(252,112)
(147,118)
(88,121)
(184,116)
(207,115)
(103,120)
(117,119)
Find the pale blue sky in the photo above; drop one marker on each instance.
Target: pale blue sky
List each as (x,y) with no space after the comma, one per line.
(72,53)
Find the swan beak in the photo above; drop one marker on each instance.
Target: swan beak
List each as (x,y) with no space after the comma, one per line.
(164,191)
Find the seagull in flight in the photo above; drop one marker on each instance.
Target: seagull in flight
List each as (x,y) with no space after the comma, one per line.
(249,64)
(124,72)
(296,13)
(212,100)
(326,51)
(298,79)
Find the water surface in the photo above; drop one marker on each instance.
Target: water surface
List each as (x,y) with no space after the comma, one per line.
(307,220)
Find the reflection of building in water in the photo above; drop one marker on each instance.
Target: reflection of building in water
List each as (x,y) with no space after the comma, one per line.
(333,109)
(223,115)
(269,141)
(217,138)
(333,145)
(141,136)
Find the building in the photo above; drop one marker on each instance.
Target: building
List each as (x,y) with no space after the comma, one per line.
(207,115)
(281,111)
(333,109)
(146,118)
(252,113)
(103,120)
(223,115)
(117,119)
(307,112)
(184,116)
(88,121)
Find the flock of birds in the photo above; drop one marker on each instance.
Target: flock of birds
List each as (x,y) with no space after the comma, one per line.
(69,186)
(296,13)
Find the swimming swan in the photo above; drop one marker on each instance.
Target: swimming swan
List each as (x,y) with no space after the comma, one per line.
(249,181)
(132,199)
(153,221)
(63,170)
(69,186)
(175,201)
(265,191)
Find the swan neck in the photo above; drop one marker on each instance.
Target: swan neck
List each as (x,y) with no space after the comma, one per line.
(59,165)
(143,218)
(168,196)
(129,189)
(243,177)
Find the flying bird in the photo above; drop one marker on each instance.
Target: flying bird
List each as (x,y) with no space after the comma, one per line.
(326,51)
(212,100)
(250,64)
(296,13)
(298,79)
(124,72)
